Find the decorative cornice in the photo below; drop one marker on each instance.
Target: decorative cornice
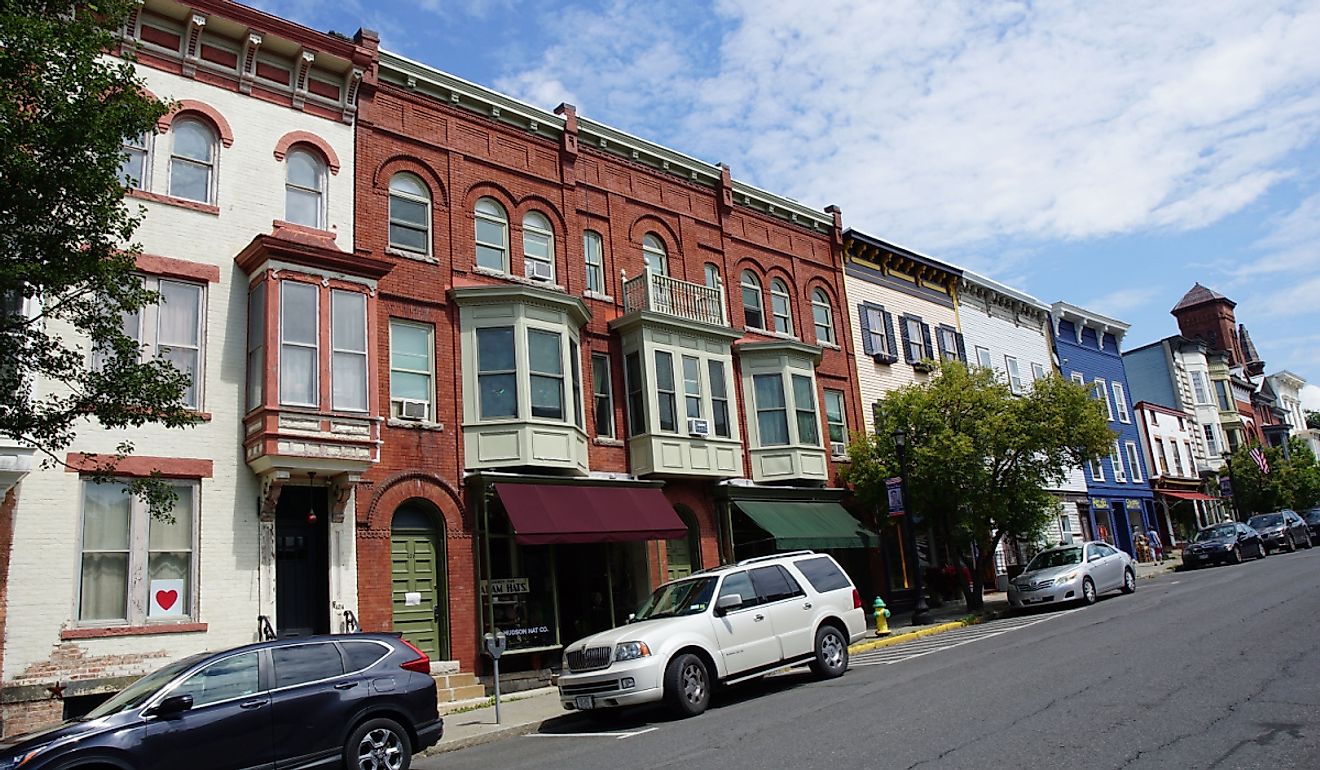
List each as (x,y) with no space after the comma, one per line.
(304,250)
(503,293)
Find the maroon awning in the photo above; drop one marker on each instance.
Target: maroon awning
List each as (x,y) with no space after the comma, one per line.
(1187,495)
(542,514)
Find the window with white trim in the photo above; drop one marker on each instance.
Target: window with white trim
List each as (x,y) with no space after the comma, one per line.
(1211,443)
(136,569)
(635,385)
(781,307)
(256,348)
(1200,391)
(1120,403)
(545,356)
(602,388)
(654,255)
(497,373)
(1161,459)
(948,343)
(665,395)
(299,343)
(1077,378)
(1097,470)
(1134,462)
(1116,459)
(983,358)
(410,214)
(575,376)
(1037,372)
(538,246)
(822,316)
(771,410)
(412,368)
(492,236)
(1014,375)
(804,403)
(304,188)
(916,338)
(753,311)
(593,251)
(348,351)
(171,329)
(836,420)
(192,160)
(1101,394)
(692,386)
(135,165)
(719,398)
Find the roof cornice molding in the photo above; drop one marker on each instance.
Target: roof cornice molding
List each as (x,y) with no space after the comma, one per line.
(1065,311)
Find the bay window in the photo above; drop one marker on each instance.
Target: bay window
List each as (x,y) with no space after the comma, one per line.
(664,386)
(348,346)
(771,409)
(299,343)
(804,402)
(692,386)
(636,387)
(545,353)
(719,399)
(497,373)
(256,348)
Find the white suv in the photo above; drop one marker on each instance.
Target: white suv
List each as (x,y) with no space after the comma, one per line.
(719,625)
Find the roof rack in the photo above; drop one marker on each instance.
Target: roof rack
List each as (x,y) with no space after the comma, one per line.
(775,556)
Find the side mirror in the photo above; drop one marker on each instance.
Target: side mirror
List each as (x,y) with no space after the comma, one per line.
(728,602)
(632,616)
(172,706)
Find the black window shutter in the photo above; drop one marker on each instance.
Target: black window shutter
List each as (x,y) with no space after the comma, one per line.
(903,331)
(926,342)
(889,336)
(962,349)
(868,346)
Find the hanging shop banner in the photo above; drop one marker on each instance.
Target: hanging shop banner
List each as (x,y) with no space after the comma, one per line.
(1225,487)
(894,490)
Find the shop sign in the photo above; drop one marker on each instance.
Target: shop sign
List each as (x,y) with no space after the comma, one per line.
(521,632)
(1133,505)
(1099,502)
(506,586)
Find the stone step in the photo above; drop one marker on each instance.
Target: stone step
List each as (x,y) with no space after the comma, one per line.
(449,694)
(456,680)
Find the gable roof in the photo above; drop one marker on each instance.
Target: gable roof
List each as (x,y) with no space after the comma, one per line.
(1199,295)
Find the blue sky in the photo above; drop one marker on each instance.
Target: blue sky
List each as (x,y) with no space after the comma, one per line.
(1108,154)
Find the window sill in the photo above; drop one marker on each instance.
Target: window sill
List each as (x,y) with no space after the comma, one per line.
(605,441)
(169,200)
(394,422)
(202,416)
(828,345)
(413,255)
(598,296)
(511,278)
(105,632)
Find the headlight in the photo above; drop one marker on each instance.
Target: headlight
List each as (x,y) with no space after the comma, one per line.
(1229,546)
(1068,577)
(19,760)
(631,651)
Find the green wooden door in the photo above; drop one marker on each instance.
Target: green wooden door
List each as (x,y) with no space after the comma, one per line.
(420,600)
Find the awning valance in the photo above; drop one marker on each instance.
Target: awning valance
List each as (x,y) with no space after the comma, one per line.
(1186,495)
(796,525)
(543,514)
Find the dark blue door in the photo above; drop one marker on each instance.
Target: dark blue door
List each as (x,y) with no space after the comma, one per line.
(227,728)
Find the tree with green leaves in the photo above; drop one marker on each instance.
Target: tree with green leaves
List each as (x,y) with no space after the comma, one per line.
(979,459)
(67,267)
(1292,481)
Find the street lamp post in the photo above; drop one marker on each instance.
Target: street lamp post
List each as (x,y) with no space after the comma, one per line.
(920,612)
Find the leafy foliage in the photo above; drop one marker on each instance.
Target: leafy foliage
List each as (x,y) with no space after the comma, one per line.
(979,458)
(1293,482)
(65,111)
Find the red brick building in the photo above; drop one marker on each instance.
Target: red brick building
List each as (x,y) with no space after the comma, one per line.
(605,363)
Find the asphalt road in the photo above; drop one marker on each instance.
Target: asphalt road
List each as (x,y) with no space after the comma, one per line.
(1216,668)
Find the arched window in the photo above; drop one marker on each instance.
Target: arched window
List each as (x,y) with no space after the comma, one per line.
(780,307)
(410,214)
(753,312)
(653,251)
(304,188)
(192,160)
(492,235)
(712,275)
(593,250)
(823,316)
(538,247)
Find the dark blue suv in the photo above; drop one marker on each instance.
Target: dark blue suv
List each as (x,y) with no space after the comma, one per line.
(362,701)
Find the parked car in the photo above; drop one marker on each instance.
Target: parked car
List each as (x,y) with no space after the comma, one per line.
(1073,573)
(719,625)
(364,700)
(1225,543)
(1281,529)
(1312,519)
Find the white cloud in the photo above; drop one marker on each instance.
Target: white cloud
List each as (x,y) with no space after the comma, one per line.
(1119,303)
(1311,398)
(948,124)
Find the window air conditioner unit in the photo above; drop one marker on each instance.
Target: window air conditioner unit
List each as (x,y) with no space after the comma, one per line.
(539,271)
(698,427)
(838,448)
(412,409)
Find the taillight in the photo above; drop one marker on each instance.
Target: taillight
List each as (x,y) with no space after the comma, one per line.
(421,664)
(857,599)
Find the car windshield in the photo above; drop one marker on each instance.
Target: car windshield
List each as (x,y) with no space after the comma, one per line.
(137,693)
(1063,557)
(685,597)
(1216,532)
(1312,516)
(1266,520)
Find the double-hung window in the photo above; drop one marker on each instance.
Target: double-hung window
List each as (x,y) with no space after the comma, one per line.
(1210,442)
(983,358)
(1221,390)
(538,246)
(410,214)
(771,409)
(1121,404)
(603,395)
(1097,470)
(192,161)
(256,348)
(635,385)
(781,307)
(492,235)
(719,399)
(875,327)
(666,399)
(1116,459)
(304,189)
(804,402)
(411,366)
(1037,372)
(545,353)
(497,373)
(1199,389)
(135,568)
(753,314)
(822,315)
(348,351)
(133,167)
(654,255)
(836,421)
(299,343)
(915,339)
(1101,394)
(575,374)
(171,329)
(1134,462)
(1014,375)
(593,250)
(948,339)
(692,386)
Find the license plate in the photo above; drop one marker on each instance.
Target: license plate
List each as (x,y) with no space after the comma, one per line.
(583,702)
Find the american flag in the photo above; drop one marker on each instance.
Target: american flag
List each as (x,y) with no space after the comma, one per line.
(1260,459)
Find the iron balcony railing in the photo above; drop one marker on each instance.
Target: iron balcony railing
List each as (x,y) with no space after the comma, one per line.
(671,296)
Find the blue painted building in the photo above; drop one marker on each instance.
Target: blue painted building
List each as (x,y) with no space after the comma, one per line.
(1089,349)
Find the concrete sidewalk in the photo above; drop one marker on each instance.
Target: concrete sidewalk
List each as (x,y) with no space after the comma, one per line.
(1150,569)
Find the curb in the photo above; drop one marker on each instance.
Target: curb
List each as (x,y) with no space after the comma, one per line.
(909,636)
(512,731)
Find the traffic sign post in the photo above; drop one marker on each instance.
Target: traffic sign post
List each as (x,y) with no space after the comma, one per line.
(496,644)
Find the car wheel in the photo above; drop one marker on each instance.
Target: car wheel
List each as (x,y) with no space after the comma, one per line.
(831,653)
(1292,544)
(687,685)
(378,744)
(1307,543)
(1088,591)
(1261,551)
(1129,582)
(1237,554)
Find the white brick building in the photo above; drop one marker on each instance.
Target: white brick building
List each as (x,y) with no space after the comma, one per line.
(260,144)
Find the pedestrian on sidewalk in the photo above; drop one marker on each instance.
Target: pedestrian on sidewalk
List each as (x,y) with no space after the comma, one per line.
(1155,545)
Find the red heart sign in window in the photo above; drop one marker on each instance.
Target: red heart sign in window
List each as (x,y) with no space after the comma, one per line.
(166,599)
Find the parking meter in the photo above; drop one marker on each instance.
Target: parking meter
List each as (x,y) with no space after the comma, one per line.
(496,644)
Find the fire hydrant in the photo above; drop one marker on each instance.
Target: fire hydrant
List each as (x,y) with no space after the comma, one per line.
(881,617)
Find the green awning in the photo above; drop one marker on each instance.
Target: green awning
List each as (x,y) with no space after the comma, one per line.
(808,525)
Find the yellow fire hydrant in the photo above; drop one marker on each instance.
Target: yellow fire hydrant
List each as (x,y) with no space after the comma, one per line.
(881,617)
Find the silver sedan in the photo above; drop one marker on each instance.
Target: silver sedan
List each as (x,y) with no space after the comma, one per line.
(1073,573)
